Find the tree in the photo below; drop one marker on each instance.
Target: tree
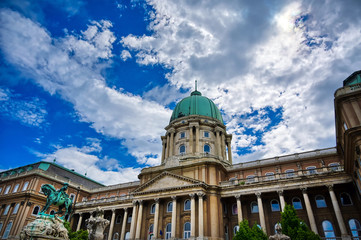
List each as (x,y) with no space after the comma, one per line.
(294,227)
(247,233)
(78,235)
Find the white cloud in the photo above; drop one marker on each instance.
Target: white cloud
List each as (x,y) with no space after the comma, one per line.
(125,55)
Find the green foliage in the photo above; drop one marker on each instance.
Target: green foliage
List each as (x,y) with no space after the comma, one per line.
(247,233)
(78,235)
(294,227)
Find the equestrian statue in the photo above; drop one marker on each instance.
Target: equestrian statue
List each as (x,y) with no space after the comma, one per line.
(58,198)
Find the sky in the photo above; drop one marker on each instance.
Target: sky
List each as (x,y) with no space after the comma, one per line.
(92,84)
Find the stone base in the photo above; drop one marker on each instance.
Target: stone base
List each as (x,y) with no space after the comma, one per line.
(45,227)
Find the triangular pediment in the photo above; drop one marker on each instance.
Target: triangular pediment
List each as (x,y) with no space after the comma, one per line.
(168,181)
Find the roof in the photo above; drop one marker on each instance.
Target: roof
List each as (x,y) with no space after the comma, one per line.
(196,104)
(354,78)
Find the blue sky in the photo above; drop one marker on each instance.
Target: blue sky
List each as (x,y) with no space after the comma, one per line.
(92,84)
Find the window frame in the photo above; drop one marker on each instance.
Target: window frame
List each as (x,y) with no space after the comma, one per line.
(7,230)
(206,134)
(293,200)
(170,207)
(278,204)
(327,230)
(168,231)
(16,188)
(204,148)
(349,197)
(25,186)
(290,173)
(357,229)
(152,209)
(180,149)
(182,135)
(311,170)
(270,176)
(32,213)
(251,179)
(7,209)
(16,208)
(7,189)
(334,166)
(187,233)
(118,219)
(320,204)
(184,205)
(254,203)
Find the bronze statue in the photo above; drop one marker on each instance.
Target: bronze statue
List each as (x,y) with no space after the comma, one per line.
(58,198)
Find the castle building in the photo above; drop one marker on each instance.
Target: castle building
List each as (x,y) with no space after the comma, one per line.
(197,191)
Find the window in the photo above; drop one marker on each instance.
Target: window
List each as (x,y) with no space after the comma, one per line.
(355,228)
(250,179)
(7,230)
(118,219)
(275,206)
(129,220)
(116,236)
(334,166)
(1,226)
(170,207)
(254,207)
(150,232)
(311,170)
(290,173)
(168,231)
(296,202)
(127,236)
(35,210)
(320,201)
(235,229)
(152,209)
(206,148)
(182,135)
(1,189)
(7,189)
(16,188)
(328,230)
(234,209)
(345,199)
(25,186)
(206,134)
(225,210)
(187,205)
(6,211)
(72,197)
(270,176)
(182,149)
(16,208)
(187,230)
(345,126)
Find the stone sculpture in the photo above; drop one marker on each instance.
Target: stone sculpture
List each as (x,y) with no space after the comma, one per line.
(96,225)
(279,235)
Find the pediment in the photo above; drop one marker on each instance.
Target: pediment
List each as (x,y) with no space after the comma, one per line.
(167,181)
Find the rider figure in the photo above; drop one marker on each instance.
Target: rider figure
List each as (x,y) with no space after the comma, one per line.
(61,192)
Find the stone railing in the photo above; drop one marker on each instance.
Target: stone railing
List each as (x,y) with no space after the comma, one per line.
(104,200)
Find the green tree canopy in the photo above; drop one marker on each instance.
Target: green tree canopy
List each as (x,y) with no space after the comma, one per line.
(294,227)
(247,233)
(78,235)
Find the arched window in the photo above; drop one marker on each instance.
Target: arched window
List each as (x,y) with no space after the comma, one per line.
(187,205)
(52,212)
(152,209)
(127,236)
(234,209)
(7,230)
(235,229)
(187,230)
(168,231)
(270,176)
(206,148)
(328,229)
(6,211)
(16,188)
(254,207)
(355,228)
(16,208)
(345,199)
(296,202)
(275,206)
(182,149)
(116,236)
(118,219)
(320,201)
(290,173)
(35,210)
(150,232)
(129,220)
(170,207)
(25,186)
(311,170)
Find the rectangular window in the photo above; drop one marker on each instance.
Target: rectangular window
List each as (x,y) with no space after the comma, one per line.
(182,135)
(7,230)
(206,134)
(7,189)
(16,188)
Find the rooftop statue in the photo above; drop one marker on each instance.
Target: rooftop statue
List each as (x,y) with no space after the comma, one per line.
(58,198)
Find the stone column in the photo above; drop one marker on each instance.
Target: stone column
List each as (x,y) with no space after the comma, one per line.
(239,208)
(338,214)
(229,151)
(163,148)
(193,215)
(310,215)
(261,212)
(282,199)
(156,218)
(134,220)
(110,235)
(214,225)
(124,224)
(223,147)
(200,214)
(174,216)
(191,150)
(218,143)
(197,140)
(167,147)
(171,143)
(139,221)
(79,222)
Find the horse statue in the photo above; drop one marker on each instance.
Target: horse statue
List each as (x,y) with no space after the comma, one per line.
(58,198)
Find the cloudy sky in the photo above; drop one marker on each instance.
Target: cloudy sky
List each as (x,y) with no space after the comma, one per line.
(92,84)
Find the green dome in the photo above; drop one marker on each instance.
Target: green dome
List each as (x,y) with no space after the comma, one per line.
(196,104)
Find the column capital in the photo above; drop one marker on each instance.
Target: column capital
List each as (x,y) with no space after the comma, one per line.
(80,214)
(304,189)
(140,202)
(171,130)
(125,209)
(192,195)
(258,194)
(156,200)
(135,202)
(330,187)
(237,196)
(174,197)
(218,129)
(113,210)
(200,194)
(280,192)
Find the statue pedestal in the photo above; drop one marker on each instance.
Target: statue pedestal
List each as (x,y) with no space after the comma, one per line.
(45,227)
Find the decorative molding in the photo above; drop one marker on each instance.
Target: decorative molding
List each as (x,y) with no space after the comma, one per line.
(258,194)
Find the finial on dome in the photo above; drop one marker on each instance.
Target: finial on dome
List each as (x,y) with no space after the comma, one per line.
(195,92)
(196,85)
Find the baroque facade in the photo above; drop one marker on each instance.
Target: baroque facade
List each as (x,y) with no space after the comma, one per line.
(197,192)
